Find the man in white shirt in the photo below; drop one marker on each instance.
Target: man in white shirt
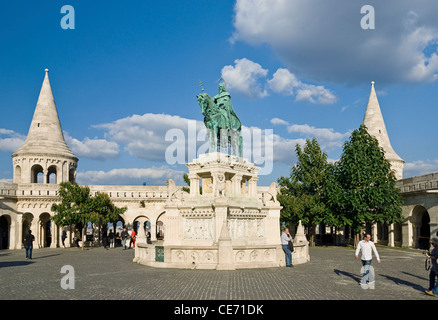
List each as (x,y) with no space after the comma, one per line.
(367,247)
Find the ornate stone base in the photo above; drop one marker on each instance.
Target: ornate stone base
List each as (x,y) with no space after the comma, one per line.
(230,224)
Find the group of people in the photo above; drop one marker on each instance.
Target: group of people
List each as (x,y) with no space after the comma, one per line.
(366,247)
(109,240)
(124,237)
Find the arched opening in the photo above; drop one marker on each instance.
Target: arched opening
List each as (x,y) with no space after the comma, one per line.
(37,174)
(45,230)
(398,234)
(382,233)
(120,224)
(52,175)
(5,223)
(160,228)
(421,227)
(143,222)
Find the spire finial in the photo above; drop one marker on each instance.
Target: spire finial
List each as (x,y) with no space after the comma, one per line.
(46,70)
(372,83)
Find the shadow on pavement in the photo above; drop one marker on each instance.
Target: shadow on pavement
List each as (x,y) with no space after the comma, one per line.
(415,286)
(347,274)
(6,264)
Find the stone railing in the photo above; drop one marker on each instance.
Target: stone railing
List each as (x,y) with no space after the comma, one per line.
(419,183)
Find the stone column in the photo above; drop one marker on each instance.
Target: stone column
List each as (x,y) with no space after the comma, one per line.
(252,186)
(55,235)
(194,184)
(391,235)
(153,231)
(19,232)
(236,185)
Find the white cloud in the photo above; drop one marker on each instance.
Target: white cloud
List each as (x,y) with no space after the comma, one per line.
(249,77)
(10,140)
(130,176)
(144,136)
(278,121)
(327,138)
(287,83)
(420,167)
(98,149)
(323,40)
(244,76)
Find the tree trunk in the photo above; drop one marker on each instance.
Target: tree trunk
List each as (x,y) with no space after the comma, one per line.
(356,238)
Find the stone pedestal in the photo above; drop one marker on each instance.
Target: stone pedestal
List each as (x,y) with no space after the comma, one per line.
(230,224)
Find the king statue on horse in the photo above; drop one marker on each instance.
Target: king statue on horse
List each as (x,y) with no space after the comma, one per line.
(220,119)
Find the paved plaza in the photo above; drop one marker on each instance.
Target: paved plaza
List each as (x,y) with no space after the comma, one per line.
(332,274)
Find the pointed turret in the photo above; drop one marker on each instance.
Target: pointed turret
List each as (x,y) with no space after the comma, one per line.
(45,132)
(44,150)
(373,120)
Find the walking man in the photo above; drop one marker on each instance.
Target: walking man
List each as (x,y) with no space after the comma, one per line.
(433,288)
(367,247)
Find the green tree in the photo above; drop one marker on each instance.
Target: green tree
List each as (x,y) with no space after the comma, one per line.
(363,190)
(302,193)
(78,206)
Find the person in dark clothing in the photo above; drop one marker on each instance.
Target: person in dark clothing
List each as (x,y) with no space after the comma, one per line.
(28,244)
(63,237)
(111,237)
(125,237)
(105,239)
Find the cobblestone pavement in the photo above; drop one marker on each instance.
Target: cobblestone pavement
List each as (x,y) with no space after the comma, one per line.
(332,274)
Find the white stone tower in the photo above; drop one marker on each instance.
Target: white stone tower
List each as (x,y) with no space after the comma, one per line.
(373,120)
(44,151)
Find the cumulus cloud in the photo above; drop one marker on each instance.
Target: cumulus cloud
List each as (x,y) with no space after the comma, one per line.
(287,83)
(250,78)
(144,136)
(420,167)
(323,40)
(244,76)
(97,149)
(10,140)
(327,138)
(130,176)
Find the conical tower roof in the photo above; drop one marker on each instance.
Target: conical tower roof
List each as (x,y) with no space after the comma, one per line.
(45,133)
(373,120)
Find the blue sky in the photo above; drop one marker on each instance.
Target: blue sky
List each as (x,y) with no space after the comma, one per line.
(129,72)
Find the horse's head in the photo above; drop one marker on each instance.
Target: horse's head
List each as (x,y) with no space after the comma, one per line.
(203,101)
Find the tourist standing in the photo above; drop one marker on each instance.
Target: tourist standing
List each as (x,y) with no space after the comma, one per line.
(63,237)
(124,236)
(132,241)
(367,247)
(111,237)
(433,288)
(28,244)
(105,239)
(285,238)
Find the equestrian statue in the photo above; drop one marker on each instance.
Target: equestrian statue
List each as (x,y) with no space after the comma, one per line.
(220,119)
